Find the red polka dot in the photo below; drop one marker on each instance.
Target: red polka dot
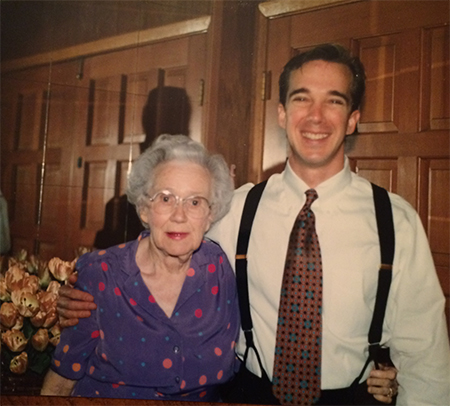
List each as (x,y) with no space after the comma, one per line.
(104,266)
(233,344)
(133,302)
(122,245)
(220,375)
(203,394)
(76,367)
(66,348)
(221,260)
(167,363)
(218,351)
(101,286)
(183,384)
(95,334)
(57,363)
(102,252)
(139,318)
(91,370)
(215,290)
(151,299)
(104,357)
(229,325)
(202,380)
(117,292)
(122,383)
(211,268)
(102,335)
(190,272)
(198,313)
(115,385)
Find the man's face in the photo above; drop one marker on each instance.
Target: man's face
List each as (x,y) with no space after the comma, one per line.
(317,118)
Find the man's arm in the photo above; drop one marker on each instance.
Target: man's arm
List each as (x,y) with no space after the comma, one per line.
(56,385)
(73,304)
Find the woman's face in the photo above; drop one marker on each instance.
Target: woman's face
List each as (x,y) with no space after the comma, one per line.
(177,233)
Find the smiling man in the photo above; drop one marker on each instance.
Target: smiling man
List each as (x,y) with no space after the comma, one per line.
(320,95)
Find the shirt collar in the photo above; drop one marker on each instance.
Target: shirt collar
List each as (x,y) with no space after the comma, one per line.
(325,190)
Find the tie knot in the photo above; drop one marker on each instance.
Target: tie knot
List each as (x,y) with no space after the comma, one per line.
(311,196)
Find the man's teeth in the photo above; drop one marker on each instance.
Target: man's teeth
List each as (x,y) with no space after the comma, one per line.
(315,136)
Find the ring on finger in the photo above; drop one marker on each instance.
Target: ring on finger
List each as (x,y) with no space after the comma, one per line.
(391,393)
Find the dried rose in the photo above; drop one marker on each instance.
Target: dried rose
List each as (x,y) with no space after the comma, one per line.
(38,319)
(55,333)
(9,314)
(5,296)
(15,278)
(31,283)
(60,269)
(51,318)
(53,287)
(44,275)
(40,339)
(33,264)
(19,363)
(26,302)
(15,340)
(19,323)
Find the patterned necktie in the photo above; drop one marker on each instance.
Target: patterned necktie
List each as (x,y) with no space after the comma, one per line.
(296,375)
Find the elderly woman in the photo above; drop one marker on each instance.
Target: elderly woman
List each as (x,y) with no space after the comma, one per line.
(167,316)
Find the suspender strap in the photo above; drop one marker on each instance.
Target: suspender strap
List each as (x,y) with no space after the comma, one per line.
(248,214)
(385,224)
(386,235)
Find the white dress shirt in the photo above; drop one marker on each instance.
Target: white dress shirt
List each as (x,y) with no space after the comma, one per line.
(414,326)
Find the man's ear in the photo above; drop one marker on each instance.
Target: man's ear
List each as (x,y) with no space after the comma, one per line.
(352,121)
(281,116)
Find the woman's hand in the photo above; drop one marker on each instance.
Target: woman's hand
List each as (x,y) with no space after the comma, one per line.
(73,304)
(382,383)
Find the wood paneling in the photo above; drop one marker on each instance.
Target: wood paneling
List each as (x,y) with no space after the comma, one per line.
(76,128)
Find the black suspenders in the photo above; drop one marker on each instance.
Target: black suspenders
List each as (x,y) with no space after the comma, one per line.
(383,211)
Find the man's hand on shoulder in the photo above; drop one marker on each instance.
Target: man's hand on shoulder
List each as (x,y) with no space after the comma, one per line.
(73,304)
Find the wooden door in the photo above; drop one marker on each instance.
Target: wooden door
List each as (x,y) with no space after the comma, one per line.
(403,143)
(70,131)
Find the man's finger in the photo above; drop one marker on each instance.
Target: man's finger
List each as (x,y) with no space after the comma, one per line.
(74,294)
(77,305)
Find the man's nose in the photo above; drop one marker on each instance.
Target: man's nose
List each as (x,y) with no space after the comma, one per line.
(315,113)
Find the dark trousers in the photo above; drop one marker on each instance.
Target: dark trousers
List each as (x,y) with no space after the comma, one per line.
(248,388)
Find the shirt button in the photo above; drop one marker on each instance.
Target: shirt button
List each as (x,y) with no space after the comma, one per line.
(176,349)
(177,379)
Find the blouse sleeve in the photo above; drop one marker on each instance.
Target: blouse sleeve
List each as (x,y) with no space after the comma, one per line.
(77,343)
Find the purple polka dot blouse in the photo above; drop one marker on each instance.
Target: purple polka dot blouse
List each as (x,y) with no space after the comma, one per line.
(129,348)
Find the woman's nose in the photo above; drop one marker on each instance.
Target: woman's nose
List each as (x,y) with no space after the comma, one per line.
(179,212)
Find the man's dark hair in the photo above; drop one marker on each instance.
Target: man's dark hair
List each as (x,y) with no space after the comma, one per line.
(329,53)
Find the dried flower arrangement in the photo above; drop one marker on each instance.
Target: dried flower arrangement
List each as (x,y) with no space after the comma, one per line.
(29,322)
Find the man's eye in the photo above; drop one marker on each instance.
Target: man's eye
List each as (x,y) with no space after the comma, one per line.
(337,101)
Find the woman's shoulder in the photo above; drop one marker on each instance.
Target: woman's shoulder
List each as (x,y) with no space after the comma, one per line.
(211,247)
(104,256)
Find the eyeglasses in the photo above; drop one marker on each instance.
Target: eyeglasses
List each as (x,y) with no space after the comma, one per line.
(165,202)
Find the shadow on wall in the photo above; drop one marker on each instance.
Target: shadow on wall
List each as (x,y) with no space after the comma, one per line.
(167,111)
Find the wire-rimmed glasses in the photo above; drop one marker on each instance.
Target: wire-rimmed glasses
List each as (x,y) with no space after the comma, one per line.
(165,202)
